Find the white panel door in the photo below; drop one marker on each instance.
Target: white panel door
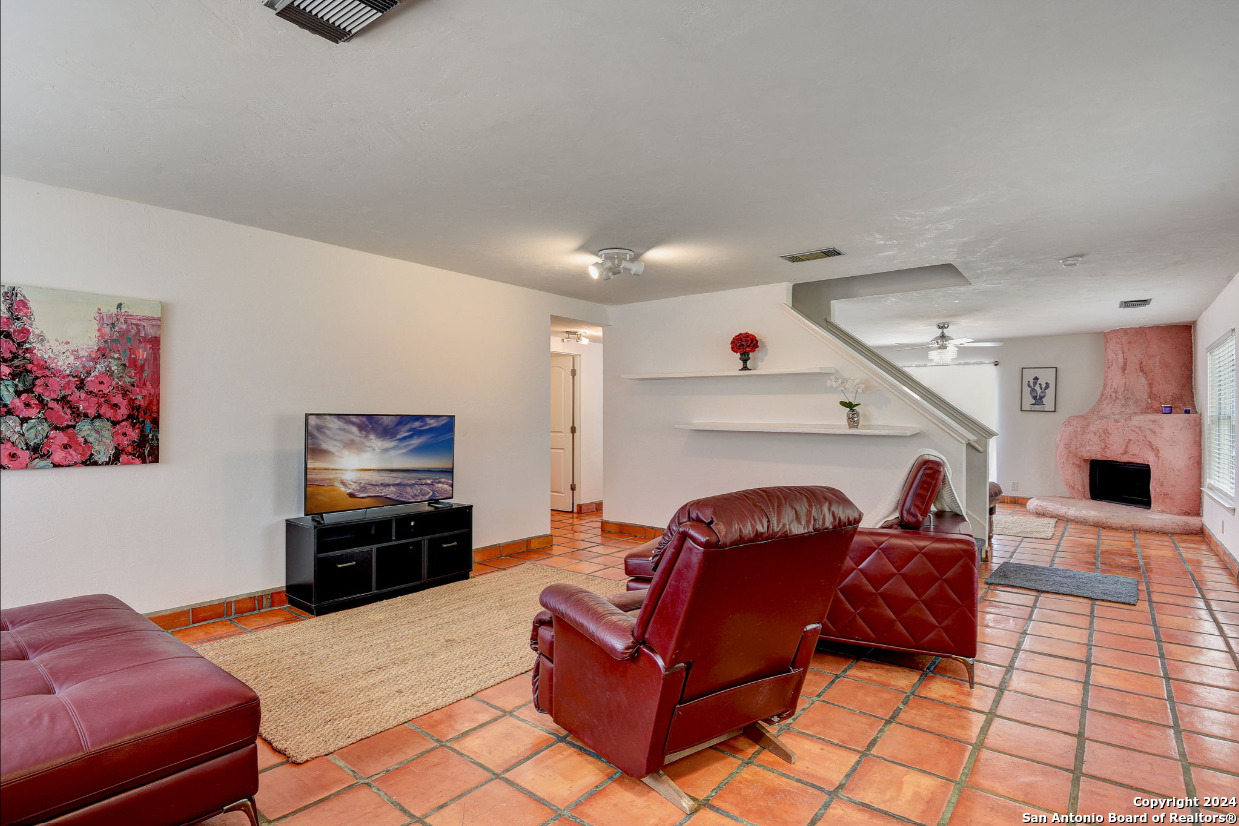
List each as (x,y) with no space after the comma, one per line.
(563,371)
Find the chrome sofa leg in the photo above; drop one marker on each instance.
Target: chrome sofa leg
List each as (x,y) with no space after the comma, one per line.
(246,806)
(969,666)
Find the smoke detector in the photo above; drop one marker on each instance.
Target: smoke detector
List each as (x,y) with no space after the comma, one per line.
(811,255)
(336,20)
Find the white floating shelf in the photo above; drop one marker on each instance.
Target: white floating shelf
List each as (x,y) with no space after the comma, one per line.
(793,427)
(786,371)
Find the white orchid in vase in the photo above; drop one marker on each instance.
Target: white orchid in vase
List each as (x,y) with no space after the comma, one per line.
(851,389)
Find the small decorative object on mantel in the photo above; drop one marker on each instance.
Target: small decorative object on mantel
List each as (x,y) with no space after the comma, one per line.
(851,388)
(744,344)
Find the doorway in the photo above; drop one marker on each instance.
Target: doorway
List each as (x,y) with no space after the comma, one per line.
(565,430)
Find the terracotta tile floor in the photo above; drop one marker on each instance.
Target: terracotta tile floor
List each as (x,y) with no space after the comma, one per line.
(1080,707)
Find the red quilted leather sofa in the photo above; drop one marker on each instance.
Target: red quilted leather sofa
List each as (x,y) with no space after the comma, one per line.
(909,585)
(719,642)
(107,720)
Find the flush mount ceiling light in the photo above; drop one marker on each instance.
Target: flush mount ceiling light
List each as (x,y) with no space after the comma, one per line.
(615,260)
(1071,260)
(336,20)
(579,336)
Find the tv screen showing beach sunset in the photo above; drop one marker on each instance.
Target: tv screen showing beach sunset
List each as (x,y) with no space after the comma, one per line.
(354,462)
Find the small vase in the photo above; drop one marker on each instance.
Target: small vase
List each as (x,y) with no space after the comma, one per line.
(853,418)
(744,361)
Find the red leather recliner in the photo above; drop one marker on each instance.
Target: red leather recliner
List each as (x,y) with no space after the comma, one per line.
(909,585)
(717,644)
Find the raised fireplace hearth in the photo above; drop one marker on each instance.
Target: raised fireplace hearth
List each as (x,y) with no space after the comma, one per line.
(1123,483)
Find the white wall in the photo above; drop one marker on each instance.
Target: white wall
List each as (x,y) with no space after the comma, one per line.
(589,485)
(973,388)
(1026,444)
(260,328)
(1221,315)
(652,468)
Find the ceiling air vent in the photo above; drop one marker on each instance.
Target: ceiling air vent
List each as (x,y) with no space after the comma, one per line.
(811,255)
(1135,302)
(336,20)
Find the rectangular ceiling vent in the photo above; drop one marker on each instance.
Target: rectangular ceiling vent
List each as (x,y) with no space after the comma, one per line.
(336,20)
(811,255)
(1135,302)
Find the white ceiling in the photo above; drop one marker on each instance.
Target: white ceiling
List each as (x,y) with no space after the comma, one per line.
(509,140)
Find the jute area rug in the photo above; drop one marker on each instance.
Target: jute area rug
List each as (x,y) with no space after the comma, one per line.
(1030,527)
(330,681)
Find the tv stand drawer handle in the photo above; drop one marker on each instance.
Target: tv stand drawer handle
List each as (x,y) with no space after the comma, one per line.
(346,564)
(448,545)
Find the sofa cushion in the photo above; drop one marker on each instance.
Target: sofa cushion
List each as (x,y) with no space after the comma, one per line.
(95,699)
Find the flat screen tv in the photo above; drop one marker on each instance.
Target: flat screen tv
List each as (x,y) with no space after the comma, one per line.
(356,462)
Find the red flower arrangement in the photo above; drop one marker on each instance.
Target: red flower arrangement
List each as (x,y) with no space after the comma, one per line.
(744,343)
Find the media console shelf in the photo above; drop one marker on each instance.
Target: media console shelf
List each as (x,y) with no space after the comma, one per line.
(352,561)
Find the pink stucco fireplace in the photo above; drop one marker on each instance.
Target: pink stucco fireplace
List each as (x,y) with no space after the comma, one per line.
(1145,368)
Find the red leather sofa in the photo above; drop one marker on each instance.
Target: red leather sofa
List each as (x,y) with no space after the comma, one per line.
(909,585)
(107,720)
(718,643)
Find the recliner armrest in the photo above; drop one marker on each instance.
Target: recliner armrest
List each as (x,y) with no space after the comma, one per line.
(639,562)
(606,625)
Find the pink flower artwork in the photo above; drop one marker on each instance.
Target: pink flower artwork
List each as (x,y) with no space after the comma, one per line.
(56,414)
(26,406)
(13,458)
(79,379)
(50,387)
(64,447)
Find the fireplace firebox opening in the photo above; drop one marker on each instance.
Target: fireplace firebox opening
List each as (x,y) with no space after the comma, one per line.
(1124,483)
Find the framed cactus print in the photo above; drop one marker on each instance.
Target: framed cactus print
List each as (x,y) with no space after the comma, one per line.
(1038,389)
(79,379)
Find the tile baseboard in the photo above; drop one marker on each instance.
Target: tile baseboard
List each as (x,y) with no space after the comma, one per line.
(187,616)
(202,612)
(1223,554)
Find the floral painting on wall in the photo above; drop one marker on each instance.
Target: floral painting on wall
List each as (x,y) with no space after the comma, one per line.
(79,379)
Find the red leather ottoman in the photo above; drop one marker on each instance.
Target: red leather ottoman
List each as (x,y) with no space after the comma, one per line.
(106,719)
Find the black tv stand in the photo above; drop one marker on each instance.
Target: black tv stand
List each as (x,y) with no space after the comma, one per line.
(363,558)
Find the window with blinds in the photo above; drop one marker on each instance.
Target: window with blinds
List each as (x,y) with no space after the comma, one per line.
(1220,425)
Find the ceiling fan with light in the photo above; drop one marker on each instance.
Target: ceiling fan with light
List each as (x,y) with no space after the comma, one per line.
(943,348)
